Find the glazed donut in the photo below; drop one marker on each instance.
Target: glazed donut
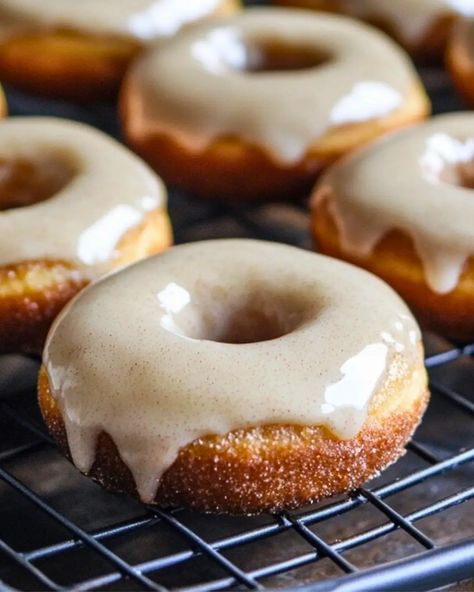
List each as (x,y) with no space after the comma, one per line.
(80,50)
(403,208)
(423,27)
(460,59)
(269,378)
(74,205)
(254,106)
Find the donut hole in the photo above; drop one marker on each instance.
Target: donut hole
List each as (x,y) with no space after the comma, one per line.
(27,181)
(272,55)
(461,175)
(225,49)
(449,160)
(251,323)
(241,318)
(465,174)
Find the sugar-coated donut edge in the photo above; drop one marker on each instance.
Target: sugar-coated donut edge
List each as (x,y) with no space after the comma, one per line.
(32,293)
(267,468)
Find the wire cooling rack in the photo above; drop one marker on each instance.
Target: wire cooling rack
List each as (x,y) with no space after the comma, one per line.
(410,529)
(46,542)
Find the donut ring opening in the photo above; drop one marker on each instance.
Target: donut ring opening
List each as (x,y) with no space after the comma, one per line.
(260,315)
(28,181)
(461,174)
(453,166)
(260,55)
(427,48)
(270,55)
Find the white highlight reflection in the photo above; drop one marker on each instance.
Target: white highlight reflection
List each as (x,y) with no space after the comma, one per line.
(97,243)
(390,340)
(361,373)
(443,150)
(149,203)
(220,50)
(165,17)
(366,101)
(173,299)
(465,7)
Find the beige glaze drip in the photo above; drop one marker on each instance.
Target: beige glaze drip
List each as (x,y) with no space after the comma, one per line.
(143,355)
(140,19)
(412,20)
(110,192)
(196,88)
(410,181)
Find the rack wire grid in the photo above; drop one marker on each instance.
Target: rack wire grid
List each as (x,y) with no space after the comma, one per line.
(412,528)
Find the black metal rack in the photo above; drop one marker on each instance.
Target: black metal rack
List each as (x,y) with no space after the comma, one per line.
(431,567)
(411,528)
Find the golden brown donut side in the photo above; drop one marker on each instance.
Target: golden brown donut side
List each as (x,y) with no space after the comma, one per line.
(268,468)
(66,64)
(395,260)
(230,163)
(429,48)
(3,104)
(461,64)
(32,293)
(69,64)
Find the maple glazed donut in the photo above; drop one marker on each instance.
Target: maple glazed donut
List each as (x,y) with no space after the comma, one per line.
(254,106)
(74,204)
(403,208)
(80,50)
(423,27)
(248,393)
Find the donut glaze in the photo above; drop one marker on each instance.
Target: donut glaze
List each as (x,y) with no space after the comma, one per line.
(74,205)
(80,50)
(140,19)
(197,376)
(403,208)
(252,107)
(422,26)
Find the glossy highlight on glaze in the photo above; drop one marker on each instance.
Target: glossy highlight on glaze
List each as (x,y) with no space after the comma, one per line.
(220,335)
(432,200)
(110,192)
(204,85)
(143,20)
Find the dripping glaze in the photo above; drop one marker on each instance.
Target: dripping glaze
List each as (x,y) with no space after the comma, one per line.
(221,335)
(419,181)
(201,85)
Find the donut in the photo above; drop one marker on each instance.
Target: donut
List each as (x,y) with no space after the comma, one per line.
(74,205)
(80,50)
(423,27)
(403,208)
(234,376)
(460,59)
(254,106)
